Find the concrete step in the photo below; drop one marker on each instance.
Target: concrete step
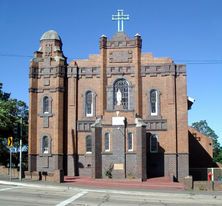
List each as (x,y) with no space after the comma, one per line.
(159,183)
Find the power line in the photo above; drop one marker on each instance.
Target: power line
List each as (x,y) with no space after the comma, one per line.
(185,61)
(16,55)
(198,61)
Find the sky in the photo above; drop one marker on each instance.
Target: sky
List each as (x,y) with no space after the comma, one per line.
(189,31)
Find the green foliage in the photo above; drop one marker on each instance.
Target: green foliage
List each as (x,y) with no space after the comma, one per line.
(203,127)
(11,113)
(108,171)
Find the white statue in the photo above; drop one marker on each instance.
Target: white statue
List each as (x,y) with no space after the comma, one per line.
(119,97)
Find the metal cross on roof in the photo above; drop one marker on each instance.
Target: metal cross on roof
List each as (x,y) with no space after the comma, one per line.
(120,17)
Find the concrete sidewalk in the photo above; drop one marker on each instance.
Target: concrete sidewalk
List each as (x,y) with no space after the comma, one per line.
(163,184)
(117,186)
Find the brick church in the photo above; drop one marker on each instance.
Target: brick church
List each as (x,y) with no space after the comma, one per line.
(120,113)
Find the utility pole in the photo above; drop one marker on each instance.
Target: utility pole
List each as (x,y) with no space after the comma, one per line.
(20,153)
(10,164)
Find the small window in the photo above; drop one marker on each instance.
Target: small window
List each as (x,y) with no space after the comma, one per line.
(88,144)
(130,141)
(45,145)
(46,105)
(153,143)
(107,142)
(153,102)
(89,104)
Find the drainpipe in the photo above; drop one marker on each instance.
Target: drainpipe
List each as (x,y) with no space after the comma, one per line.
(76,119)
(125,139)
(176,121)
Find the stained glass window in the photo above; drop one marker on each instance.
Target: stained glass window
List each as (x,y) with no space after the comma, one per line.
(153,102)
(153,143)
(130,141)
(107,142)
(45,145)
(88,144)
(89,103)
(46,104)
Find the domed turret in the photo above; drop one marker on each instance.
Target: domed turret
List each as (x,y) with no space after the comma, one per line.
(50,35)
(51,44)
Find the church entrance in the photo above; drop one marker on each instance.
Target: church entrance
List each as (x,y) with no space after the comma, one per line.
(155,156)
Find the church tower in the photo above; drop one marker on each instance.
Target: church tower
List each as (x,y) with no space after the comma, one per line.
(47,119)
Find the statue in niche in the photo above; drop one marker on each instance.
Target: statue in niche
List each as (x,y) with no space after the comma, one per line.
(119,97)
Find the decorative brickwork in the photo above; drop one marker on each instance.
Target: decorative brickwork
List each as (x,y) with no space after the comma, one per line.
(83,102)
(156,124)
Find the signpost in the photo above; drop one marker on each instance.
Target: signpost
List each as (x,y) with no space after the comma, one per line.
(10,144)
(10,141)
(20,154)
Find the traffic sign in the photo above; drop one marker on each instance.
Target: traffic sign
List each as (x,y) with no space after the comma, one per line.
(10,141)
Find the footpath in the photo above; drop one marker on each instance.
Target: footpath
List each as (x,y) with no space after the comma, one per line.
(86,182)
(151,185)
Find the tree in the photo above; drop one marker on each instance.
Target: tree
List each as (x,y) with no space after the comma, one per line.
(204,128)
(11,112)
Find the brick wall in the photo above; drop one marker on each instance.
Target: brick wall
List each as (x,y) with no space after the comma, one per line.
(119,57)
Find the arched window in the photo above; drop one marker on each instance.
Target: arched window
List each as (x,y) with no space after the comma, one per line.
(45,145)
(153,102)
(88,144)
(107,141)
(153,143)
(89,104)
(130,141)
(45,105)
(121,93)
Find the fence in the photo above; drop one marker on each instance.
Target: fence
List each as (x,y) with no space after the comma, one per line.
(203,174)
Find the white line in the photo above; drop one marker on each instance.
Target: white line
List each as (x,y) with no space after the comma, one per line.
(71,199)
(9,188)
(4,189)
(29,185)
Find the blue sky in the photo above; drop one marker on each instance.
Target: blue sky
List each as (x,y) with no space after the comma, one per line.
(189,31)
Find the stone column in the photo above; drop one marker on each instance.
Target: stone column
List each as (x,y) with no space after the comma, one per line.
(141,172)
(96,150)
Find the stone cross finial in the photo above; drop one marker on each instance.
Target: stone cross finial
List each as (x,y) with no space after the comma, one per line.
(120,17)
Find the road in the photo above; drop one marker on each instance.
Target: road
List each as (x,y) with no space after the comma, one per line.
(22,195)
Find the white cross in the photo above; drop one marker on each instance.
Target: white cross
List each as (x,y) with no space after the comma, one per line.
(120,17)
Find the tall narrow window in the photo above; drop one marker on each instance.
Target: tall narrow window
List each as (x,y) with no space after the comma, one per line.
(107,142)
(45,145)
(130,141)
(46,104)
(121,93)
(153,143)
(88,144)
(153,102)
(89,104)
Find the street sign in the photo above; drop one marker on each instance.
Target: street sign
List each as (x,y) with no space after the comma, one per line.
(10,141)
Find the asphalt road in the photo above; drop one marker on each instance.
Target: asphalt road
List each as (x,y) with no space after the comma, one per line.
(22,195)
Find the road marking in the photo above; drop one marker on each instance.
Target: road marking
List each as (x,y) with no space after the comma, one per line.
(29,185)
(73,198)
(9,188)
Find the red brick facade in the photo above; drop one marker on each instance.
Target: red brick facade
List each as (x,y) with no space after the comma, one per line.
(69,102)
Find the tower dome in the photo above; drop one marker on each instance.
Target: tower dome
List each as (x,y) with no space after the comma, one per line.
(51,34)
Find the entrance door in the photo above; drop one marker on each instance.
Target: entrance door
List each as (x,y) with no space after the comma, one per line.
(155,156)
